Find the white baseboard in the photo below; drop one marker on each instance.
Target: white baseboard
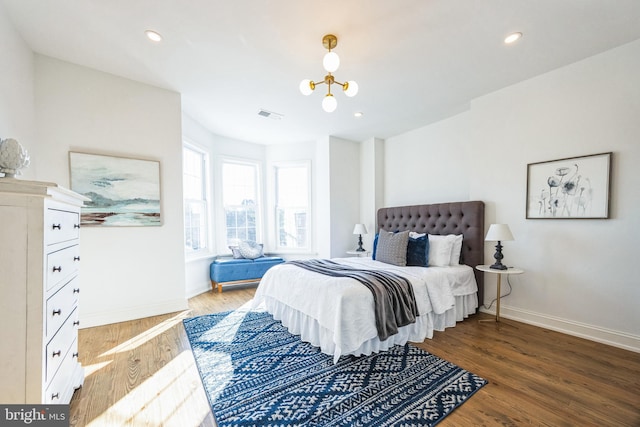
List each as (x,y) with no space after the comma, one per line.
(197,290)
(89,320)
(570,327)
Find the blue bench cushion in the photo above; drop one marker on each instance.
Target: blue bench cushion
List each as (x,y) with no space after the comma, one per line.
(231,270)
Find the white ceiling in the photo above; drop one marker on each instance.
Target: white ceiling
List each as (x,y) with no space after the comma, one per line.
(416,61)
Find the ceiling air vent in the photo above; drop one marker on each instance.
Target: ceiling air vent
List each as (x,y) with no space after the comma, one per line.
(270,114)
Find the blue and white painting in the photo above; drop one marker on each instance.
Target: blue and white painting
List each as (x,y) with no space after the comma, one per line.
(123,191)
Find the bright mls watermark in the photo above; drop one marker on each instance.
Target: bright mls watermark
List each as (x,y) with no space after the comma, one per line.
(34,415)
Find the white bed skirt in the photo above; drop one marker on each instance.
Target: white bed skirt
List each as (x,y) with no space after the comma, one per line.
(310,330)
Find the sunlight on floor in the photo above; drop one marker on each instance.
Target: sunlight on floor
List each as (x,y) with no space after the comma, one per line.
(147,335)
(226,329)
(173,396)
(90,369)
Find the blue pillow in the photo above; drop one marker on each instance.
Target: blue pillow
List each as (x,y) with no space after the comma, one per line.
(375,245)
(418,251)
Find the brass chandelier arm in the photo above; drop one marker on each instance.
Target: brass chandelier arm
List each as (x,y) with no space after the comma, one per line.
(331,62)
(328,80)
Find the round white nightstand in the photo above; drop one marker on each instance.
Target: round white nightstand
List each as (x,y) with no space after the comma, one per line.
(359,253)
(488,269)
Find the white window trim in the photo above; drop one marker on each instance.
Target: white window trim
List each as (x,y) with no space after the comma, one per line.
(191,255)
(221,221)
(310,249)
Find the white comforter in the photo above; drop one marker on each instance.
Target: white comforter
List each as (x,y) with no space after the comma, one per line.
(337,314)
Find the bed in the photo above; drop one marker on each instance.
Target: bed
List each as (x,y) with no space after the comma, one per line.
(336,314)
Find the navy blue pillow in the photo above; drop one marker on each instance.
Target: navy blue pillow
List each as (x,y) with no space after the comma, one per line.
(375,245)
(418,251)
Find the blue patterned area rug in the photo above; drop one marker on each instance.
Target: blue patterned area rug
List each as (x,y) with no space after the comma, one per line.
(256,373)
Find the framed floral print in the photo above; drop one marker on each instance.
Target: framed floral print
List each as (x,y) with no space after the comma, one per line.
(571,188)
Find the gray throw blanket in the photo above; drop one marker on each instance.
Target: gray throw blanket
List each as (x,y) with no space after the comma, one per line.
(393,298)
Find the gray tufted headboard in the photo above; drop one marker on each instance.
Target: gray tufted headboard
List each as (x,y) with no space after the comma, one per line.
(466,218)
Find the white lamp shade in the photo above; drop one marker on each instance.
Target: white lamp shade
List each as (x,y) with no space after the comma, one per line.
(331,62)
(329,103)
(498,232)
(359,229)
(305,87)
(352,88)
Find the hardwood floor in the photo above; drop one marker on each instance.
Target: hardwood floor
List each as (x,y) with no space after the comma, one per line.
(142,373)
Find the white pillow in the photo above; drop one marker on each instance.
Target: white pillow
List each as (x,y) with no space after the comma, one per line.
(440,248)
(455,251)
(250,249)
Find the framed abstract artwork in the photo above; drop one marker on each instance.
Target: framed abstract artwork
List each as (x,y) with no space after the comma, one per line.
(572,188)
(123,191)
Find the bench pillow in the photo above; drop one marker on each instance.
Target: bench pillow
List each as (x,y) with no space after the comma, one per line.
(250,249)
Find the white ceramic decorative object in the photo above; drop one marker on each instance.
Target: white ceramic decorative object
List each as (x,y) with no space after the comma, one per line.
(13,157)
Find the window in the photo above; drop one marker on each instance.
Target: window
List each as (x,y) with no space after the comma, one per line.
(240,201)
(292,206)
(194,170)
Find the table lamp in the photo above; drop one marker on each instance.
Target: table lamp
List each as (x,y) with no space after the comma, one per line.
(360,229)
(499,233)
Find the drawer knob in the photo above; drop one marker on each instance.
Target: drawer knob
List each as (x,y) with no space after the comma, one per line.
(76,225)
(56,227)
(76,258)
(76,290)
(76,323)
(75,354)
(58,312)
(58,269)
(55,396)
(56,353)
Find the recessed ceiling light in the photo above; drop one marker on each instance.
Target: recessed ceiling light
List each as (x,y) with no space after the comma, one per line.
(154,36)
(512,38)
(358,114)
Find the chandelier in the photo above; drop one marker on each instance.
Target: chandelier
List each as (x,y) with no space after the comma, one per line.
(331,62)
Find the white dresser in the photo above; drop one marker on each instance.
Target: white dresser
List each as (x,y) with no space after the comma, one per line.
(39,291)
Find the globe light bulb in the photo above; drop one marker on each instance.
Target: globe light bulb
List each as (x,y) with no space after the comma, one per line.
(305,87)
(351,88)
(329,103)
(331,62)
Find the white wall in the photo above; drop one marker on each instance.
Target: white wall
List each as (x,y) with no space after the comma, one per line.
(322,198)
(345,195)
(127,272)
(17,108)
(580,276)
(420,160)
(371,186)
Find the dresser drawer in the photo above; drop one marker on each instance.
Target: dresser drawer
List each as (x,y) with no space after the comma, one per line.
(61,226)
(61,265)
(60,345)
(60,305)
(60,388)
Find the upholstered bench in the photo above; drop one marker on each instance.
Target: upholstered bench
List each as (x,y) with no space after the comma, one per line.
(240,270)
